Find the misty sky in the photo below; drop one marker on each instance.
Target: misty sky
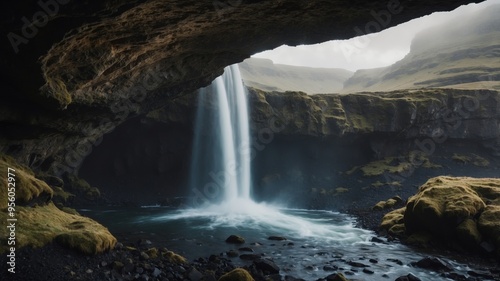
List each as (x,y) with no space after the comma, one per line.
(369,51)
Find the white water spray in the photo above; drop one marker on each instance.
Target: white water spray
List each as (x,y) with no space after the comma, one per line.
(221,175)
(229,168)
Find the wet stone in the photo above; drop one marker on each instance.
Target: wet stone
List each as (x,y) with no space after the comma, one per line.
(330,267)
(434,264)
(373,260)
(356,264)
(249,257)
(409,277)
(368,271)
(396,261)
(235,239)
(377,239)
(276,238)
(232,254)
(245,249)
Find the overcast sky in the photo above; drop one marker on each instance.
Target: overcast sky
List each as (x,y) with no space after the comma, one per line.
(369,51)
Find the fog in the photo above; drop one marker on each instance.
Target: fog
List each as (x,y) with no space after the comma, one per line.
(368,51)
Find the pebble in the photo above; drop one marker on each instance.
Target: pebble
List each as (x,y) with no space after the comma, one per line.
(156,272)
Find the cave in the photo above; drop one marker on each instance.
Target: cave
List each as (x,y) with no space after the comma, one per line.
(138,135)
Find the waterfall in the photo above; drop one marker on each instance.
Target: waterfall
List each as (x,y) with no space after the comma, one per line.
(221,165)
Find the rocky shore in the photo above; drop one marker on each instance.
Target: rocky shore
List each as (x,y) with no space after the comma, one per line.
(143,260)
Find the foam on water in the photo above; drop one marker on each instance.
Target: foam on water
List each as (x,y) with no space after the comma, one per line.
(243,213)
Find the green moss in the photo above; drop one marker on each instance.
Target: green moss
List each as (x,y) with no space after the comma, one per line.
(468,234)
(352,170)
(61,194)
(393,218)
(173,257)
(237,274)
(82,187)
(387,165)
(40,225)
(473,159)
(441,203)
(489,225)
(152,253)
(27,186)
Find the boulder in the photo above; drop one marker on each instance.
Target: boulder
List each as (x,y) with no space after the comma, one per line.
(235,239)
(238,274)
(461,208)
(267,266)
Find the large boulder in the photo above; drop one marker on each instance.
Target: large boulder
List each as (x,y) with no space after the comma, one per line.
(39,221)
(461,209)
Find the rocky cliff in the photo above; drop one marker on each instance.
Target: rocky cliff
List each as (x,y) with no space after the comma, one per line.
(462,53)
(75,70)
(319,129)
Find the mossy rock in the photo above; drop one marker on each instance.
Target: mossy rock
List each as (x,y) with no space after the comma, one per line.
(393,218)
(441,204)
(468,234)
(337,277)
(41,225)
(152,252)
(28,187)
(421,239)
(173,257)
(237,274)
(489,225)
(461,208)
(81,187)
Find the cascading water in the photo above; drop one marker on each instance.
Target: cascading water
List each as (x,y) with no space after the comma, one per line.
(229,168)
(221,176)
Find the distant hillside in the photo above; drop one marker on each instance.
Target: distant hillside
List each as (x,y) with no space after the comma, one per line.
(264,75)
(463,53)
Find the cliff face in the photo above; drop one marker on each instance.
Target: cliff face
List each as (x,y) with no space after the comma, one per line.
(463,53)
(459,114)
(83,68)
(411,114)
(301,137)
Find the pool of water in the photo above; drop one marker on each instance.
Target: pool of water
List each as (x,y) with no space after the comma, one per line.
(317,241)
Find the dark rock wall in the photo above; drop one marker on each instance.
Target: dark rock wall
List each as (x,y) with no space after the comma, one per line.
(298,140)
(85,67)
